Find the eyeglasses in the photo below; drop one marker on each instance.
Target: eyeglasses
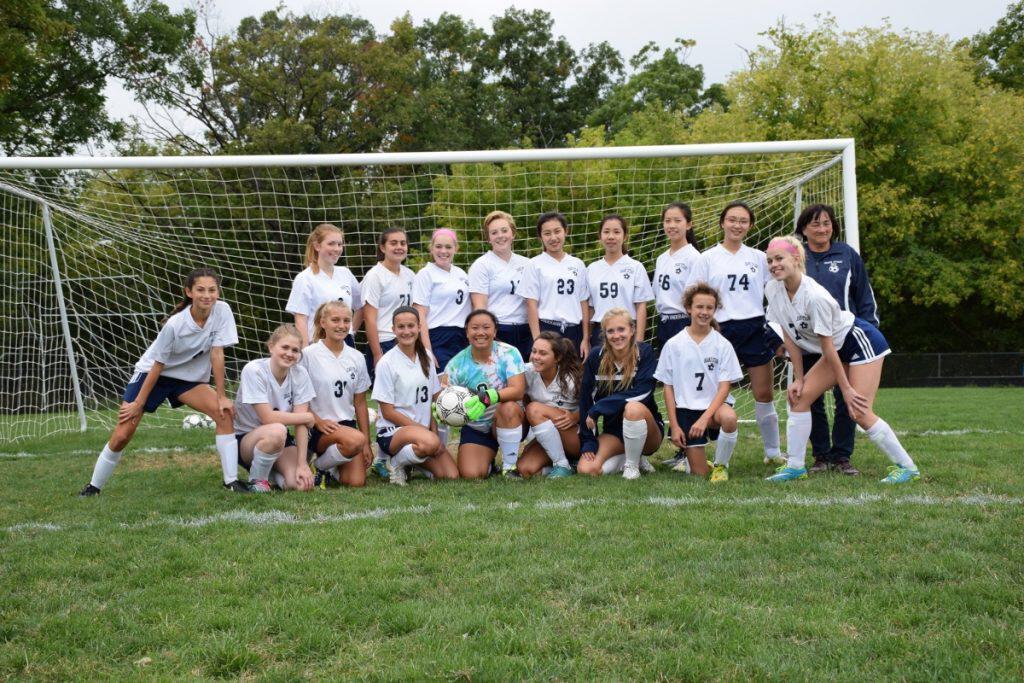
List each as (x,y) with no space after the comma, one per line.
(737,221)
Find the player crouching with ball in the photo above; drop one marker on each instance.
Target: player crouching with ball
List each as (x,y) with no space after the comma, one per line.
(851,349)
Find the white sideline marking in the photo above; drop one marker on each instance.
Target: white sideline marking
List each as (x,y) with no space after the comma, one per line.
(86,451)
(274,517)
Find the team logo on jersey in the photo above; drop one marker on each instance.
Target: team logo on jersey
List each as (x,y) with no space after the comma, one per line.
(804,321)
(679,270)
(833,266)
(352,375)
(752,266)
(711,362)
(625,276)
(575,273)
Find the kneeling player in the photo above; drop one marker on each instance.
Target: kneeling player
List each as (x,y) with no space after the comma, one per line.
(552,385)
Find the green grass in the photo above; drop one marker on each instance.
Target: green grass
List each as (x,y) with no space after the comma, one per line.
(166,576)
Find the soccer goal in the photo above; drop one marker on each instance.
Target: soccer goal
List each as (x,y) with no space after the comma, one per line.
(95,249)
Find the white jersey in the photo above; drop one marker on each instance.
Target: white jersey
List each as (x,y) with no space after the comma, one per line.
(386,291)
(184,347)
(258,385)
(312,289)
(336,380)
(739,278)
(500,281)
(400,381)
(812,312)
(551,394)
(695,370)
(558,287)
(445,293)
(622,284)
(671,274)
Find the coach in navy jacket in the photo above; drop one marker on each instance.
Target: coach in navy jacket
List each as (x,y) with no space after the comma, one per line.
(839,269)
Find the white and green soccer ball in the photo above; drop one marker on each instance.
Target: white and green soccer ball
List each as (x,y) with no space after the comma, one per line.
(448,406)
(197,421)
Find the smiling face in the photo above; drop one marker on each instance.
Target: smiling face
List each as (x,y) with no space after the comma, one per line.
(500,234)
(336,321)
(613,237)
(702,310)
(552,236)
(443,249)
(395,247)
(781,263)
(406,327)
(819,232)
(204,293)
(675,224)
(736,224)
(330,248)
(480,331)
(618,332)
(542,356)
(286,351)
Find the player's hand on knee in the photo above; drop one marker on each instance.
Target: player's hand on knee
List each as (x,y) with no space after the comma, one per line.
(677,437)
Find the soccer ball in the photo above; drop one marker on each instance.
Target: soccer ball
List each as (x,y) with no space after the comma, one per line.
(197,421)
(448,406)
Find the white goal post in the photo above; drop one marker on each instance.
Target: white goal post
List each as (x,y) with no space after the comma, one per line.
(95,248)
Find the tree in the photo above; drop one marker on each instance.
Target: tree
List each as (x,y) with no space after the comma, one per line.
(1001,50)
(56,58)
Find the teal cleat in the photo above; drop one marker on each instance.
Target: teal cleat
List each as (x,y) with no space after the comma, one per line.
(786,473)
(559,473)
(380,468)
(901,475)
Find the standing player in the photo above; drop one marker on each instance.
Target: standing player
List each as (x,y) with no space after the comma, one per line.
(176,368)
(852,352)
(323,280)
(698,367)
(839,269)
(440,292)
(617,280)
(386,286)
(493,370)
(494,282)
(341,432)
(273,394)
(553,379)
(554,285)
(739,273)
(405,387)
(618,385)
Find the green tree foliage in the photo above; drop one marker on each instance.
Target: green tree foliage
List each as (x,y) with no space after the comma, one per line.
(56,57)
(1001,50)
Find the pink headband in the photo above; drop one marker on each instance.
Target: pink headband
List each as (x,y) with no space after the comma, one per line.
(445,232)
(786,245)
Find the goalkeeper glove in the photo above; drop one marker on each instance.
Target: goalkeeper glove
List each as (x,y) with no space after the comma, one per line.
(476,406)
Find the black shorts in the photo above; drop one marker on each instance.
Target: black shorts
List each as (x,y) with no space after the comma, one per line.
(669,327)
(384,444)
(686,418)
(518,335)
(315,434)
(613,425)
(445,342)
(573,333)
(288,441)
(754,342)
(165,389)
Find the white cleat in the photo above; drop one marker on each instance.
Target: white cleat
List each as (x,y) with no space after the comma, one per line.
(631,472)
(645,465)
(397,475)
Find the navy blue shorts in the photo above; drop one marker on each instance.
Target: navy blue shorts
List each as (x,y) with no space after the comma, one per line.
(384,444)
(468,435)
(519,336)
(753,341)
(315,434)
(445,342)
(864,344)
(573,333)
(686,417)
(596,338)
(613,424)
(165,389)
(288,441)
(668,328)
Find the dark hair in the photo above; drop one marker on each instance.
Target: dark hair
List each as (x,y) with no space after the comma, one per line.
(691,236)
(813,213)
(734,205)
(568,366)
(190,281)
(421,350)
(550,216)
(480,311)
(702,288)
(384,238)
(625,229)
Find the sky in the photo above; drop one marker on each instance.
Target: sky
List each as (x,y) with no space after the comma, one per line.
(724,30)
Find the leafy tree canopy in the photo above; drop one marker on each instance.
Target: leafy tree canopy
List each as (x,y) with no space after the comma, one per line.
(1001,50)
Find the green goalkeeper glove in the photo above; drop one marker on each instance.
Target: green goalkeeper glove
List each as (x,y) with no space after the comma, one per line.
(476,406)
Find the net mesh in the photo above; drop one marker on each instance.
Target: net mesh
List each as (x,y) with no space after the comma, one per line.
(123,240)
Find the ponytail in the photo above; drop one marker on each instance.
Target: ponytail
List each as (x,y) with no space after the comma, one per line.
(421,349)
(190,281)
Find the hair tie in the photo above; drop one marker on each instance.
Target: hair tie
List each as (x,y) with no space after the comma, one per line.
(444,232)
(786,245)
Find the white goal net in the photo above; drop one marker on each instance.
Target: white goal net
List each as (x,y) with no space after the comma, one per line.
(95,250)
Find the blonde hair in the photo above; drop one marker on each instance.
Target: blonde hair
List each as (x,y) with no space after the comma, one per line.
(315,239)
(795,248)
(606,368)
(282,331)
(318,317)
(493,216)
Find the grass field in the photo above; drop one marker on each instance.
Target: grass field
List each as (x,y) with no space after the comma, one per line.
(166,576)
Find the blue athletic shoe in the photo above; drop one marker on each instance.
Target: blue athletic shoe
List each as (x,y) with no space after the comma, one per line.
(901,475)
(786,473)
(559,472)
(380,468)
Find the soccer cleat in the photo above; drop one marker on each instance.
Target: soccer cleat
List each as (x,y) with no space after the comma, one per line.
(238,487)
(674,461)
(786,473)
(820,465)
(380,468)
(901,475)
(846,467)
(323,479)
(645,465)
(631,472)
(682,466)
(397,475)
(418,471)
(88,491)
(511,473)
(259,486)
(778,459)
(559,472)
(719,473)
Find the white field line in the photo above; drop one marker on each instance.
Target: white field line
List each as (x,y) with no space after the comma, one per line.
(278,517)
(94,453)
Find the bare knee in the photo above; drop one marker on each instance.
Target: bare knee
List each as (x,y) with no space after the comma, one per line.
(272,439)
(509,415)
(635,410)
(427,445)
(535,413)
(590,468)
(727,419)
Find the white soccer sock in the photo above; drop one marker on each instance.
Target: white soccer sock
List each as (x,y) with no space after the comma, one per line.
(551,441)
(227,449)
(332,457)
(442,433)
(261,464)
(768,423)
(508,441)
(406,456)
(105,465)
(613,465)
(798,431)
(881,435)
(724,447)
(279,480)
(634,435)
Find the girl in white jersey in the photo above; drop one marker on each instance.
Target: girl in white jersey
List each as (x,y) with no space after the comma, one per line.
(323,280)
(405,388)
(555,286)
(274,394)
(698,367)
(494,282)
(386,286)
(739,273)
(440,292)
(553,379)
(672,271)
(341,431)
(176,368)
(617,280)
(851,349)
